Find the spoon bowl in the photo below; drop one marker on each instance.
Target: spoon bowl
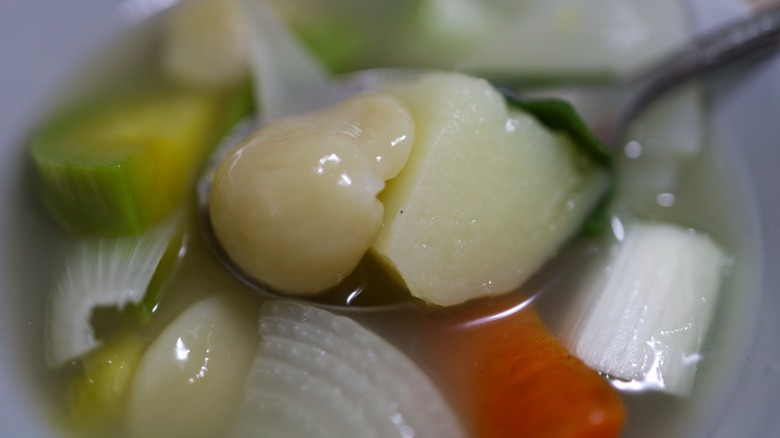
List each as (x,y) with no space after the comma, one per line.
(750,38)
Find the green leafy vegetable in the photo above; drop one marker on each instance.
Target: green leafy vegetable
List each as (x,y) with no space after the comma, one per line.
(97,394)
(560,115)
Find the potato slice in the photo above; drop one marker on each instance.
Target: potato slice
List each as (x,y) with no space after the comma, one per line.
(487,196)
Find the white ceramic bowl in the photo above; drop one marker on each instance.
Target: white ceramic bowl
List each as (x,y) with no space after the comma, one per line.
(42,41)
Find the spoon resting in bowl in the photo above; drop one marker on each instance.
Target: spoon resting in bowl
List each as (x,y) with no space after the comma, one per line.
(299,94)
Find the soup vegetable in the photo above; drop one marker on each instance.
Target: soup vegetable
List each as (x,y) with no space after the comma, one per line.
(541,288)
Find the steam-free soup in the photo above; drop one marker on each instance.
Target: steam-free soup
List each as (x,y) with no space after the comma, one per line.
(706,193)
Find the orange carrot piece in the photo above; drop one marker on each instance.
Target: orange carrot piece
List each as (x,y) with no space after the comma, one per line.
(517,380)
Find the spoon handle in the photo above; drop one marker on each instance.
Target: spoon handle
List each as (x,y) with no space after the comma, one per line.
(758,34)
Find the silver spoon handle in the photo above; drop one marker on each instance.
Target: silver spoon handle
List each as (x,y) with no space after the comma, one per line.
(759,34)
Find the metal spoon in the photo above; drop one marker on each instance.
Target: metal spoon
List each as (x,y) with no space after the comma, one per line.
(750,38)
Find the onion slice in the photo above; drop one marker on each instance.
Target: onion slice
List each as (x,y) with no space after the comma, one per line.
(318,374)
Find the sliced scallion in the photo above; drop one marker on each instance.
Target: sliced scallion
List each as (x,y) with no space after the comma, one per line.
(644,316)
(102,272)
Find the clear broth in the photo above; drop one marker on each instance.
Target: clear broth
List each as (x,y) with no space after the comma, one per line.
(712,196)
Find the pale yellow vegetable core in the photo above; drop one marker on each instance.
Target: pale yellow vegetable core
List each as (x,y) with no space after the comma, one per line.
(487,196)
(295,205)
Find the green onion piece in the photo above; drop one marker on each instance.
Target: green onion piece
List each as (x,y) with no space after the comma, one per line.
(101,272)
(643,317)
(97,395)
